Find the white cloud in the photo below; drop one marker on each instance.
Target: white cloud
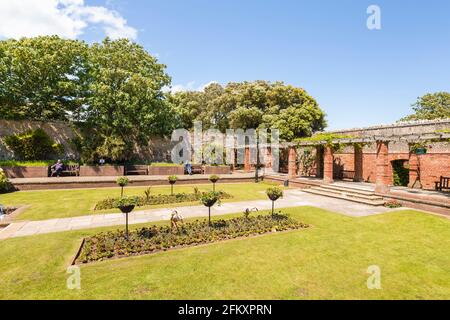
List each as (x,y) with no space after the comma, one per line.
(190,86)
(66,18)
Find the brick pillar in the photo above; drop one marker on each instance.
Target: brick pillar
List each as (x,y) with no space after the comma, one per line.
(382,173)
(268,160)
(292,166)
(328,165)
(358,153)
(414,171)
(247,164)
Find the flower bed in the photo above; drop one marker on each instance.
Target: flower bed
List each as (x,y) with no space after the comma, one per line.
(109,245)
(159,199)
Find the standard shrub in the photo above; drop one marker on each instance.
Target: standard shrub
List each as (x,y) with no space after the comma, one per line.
(33,145)
(160,238)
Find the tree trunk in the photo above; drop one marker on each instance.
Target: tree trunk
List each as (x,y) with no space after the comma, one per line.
(209,216)
(273,208)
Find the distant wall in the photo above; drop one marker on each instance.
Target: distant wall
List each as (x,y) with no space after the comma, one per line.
(158,150)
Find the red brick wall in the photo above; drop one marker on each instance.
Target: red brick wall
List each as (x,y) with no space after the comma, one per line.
(432,166)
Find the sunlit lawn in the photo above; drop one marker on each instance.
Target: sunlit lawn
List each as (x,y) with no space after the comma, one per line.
(71,203)
(327,261)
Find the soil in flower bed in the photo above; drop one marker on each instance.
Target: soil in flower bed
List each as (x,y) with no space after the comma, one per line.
(160,199)
(110,245)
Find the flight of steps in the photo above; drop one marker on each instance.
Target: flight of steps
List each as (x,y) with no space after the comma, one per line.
(354,194)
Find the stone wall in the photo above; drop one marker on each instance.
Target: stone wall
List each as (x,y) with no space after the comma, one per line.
(158,150)
(59,131)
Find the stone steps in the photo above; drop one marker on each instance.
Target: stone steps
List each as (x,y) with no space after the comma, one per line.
(347,193)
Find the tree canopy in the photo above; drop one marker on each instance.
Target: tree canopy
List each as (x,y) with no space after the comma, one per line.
(112,89)
(113,92)
(431,106)
(43,78)
(245,105)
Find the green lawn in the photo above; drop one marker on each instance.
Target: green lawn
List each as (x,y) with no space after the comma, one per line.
(70,203)
(327,261)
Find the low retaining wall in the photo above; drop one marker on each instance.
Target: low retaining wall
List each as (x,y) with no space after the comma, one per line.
(26,172)
(165,171)
(104,171)
(217,169)
(58,183)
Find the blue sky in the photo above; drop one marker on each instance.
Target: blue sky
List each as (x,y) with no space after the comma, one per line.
(359,77)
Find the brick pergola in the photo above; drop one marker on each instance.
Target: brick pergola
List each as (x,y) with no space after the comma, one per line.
(383,169)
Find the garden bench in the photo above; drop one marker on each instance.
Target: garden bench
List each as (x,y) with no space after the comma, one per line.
(443,184)
(136,170)
(197,169)
(68,170)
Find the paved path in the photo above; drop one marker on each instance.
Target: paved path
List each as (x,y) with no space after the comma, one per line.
(292,198)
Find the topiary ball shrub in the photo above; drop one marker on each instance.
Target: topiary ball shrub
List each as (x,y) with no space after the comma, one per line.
(172,179)
(274,193)
(214,178)
(209,199)
(122,182)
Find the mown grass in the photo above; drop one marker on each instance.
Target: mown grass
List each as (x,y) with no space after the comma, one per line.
(329,260)
(70,203)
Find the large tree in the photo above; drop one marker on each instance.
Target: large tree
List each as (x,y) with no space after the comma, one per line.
(43,78)
(258,104)
(126,103)
(431,106)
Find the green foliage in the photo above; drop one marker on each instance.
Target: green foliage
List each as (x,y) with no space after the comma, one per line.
(393,204)
(5,185)
(307,160)
(111,90)
(214,178)
(122,181)
(274,193)
(149,200)
(164,164)
(160,238)
(33,145)
(43,78)
(251,105)
(401,174)
(148,193)
(172,179)
(431,106)
(38,163)
(208,199)
(125,202)
(325,138)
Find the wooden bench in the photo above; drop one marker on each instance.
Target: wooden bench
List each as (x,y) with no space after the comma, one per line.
(443,184)
(197,169)
(68,170)
(136,170)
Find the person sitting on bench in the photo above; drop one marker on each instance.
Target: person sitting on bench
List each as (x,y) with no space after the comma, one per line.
(57,168)
(188,168)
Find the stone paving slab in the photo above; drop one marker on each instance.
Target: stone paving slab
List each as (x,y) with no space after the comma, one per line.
(292,198)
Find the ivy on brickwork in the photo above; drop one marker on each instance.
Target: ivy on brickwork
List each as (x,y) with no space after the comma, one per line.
(329,139)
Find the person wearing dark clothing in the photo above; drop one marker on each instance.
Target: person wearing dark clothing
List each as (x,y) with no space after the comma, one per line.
(57,168)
